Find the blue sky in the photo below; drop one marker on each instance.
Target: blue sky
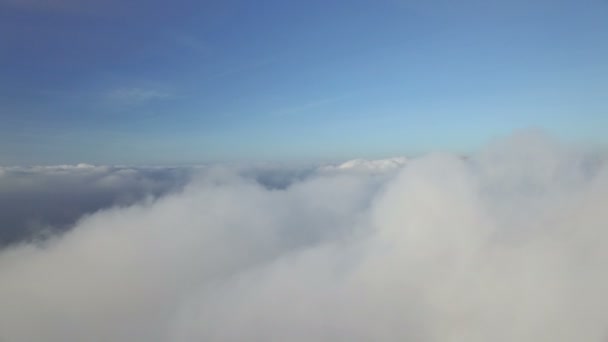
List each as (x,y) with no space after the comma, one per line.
(198,81)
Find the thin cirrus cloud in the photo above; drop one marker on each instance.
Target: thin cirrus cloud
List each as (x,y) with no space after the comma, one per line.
(135,96)
(506,245)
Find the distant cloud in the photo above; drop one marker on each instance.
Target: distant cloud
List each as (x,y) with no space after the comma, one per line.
(137,96)
(363,165)
(40,200)
(312,105)
(191,42)
(507,245)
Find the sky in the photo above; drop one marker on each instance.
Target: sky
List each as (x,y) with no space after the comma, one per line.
(158,82)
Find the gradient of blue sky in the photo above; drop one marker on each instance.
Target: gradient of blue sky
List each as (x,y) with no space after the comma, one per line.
(221,80)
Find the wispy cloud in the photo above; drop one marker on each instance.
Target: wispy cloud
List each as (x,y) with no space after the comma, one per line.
(137,96)
(314,104)
(191,42)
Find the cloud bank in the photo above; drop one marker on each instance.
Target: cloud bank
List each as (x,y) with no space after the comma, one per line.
(507,245)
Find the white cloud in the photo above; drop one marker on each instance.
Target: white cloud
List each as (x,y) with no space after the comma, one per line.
(377,165)
(505,246)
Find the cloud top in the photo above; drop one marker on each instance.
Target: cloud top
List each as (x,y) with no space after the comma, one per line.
(507,245)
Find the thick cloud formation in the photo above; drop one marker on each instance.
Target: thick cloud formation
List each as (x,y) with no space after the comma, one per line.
(508,245)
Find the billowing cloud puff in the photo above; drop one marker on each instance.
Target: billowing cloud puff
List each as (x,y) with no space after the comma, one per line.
(507,245)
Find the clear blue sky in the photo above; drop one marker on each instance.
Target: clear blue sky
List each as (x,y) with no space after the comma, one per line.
(108,81)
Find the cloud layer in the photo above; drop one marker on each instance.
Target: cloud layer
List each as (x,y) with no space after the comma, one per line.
(507,245)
